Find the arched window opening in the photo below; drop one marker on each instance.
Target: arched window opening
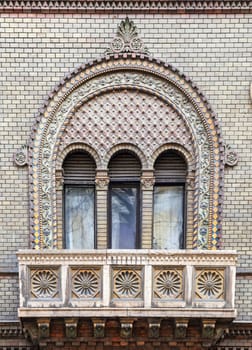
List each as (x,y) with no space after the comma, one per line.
(124,201)
(169,201)
(79,200)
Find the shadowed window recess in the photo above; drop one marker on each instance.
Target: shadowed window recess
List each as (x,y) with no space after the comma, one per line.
(169,201)
(124,201)
(79,204)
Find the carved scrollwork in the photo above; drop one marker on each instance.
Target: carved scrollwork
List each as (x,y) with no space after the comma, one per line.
(127,39)
(21,156)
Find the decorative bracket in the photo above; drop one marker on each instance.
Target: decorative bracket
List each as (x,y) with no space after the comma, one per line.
(30,330)
(127,40)
(43,328)
(208,329)
(126,328)
(71,328)
(231,157)
(21,156)
(154,327)
(99,328)
(181,326)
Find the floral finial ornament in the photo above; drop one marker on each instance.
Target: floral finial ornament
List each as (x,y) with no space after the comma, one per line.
(127,40)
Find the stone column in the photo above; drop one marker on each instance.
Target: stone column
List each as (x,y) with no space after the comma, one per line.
(59,208)
(147,182)
(189,208)
(101,181)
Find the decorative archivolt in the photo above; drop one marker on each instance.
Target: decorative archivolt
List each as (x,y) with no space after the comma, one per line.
(188,157)
(72,147)
(126,99)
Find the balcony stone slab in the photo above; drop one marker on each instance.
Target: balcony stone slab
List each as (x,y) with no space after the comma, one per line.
(127,283)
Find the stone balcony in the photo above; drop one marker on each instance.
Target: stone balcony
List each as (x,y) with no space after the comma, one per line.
(127,283)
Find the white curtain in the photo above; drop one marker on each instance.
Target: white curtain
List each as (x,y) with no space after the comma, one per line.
(79,217)
(168,217)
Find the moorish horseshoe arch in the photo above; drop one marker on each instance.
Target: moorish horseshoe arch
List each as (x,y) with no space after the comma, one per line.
(134,77)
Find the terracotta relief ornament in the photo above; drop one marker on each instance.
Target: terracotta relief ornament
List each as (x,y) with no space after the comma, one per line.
(132,99)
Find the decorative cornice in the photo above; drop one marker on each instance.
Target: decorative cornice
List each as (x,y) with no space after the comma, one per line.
(129,257)
(169,6)
(10,331)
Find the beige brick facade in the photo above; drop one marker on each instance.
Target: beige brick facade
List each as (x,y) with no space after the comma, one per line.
(38,49)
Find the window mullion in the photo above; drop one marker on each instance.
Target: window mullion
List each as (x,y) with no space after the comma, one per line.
(147,183)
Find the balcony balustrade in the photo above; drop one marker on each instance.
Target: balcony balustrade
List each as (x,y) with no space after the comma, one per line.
(127,283)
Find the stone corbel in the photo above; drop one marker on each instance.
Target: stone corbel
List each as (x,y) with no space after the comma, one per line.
(43,328)
(30,330)
(154,327)
(99,328)
(71,328)
(21,156)
(126,328)
(208,329)
(181,326)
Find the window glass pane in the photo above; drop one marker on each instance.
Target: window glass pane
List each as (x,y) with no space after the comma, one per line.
(168,217)
(79,217)
(123,223)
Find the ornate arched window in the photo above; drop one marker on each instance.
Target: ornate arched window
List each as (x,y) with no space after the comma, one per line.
(124,201)
(79,200)
(133,100)
(169,202)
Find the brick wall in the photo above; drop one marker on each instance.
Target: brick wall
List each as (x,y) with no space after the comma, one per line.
(37,50)
(9,298)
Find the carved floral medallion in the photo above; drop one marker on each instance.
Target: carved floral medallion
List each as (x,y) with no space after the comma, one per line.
(86,283)
(127,283)
(44,284)
(210,284)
